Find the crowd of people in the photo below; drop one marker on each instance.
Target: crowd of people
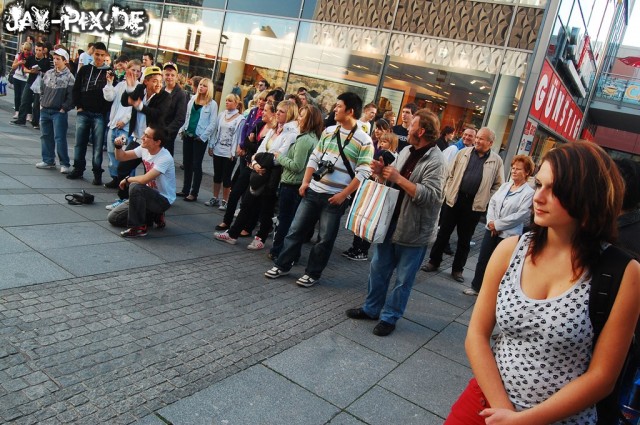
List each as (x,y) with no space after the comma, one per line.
(292,172)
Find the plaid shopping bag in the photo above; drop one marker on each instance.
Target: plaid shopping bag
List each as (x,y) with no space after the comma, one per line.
(371,211)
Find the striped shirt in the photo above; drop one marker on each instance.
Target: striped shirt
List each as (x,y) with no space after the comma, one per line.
(359,152)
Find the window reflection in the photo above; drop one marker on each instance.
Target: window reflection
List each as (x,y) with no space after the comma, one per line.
(330,59)
(254,48)
(190,39)
(134,47)
(454,80)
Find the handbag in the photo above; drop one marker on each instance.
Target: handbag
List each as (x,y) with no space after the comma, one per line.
(10,78)
(36,86)
(79,198)
(371,211)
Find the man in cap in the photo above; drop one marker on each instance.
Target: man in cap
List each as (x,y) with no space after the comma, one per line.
(56,100)
(177,112)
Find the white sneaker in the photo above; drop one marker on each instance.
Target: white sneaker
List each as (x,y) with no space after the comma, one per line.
(65,170)
(223,205)
(116,204)
(224,237)
(44,166)
(29,117)
(256,244)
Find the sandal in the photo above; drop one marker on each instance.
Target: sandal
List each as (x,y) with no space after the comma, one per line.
(190,198)
(222,226)
(181,194)
(245,234)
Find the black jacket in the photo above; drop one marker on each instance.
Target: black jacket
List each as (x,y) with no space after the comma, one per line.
(177,113)
(87,89)
(155,111)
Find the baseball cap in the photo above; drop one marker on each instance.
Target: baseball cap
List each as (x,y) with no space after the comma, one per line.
(61,52)
(151,70)
(170,65)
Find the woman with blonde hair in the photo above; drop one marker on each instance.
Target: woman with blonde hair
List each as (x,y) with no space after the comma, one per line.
(546,366)
(265,177)
(19,75)
(223,147)
(198,128)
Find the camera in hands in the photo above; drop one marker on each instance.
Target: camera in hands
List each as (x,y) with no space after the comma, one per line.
(324,168)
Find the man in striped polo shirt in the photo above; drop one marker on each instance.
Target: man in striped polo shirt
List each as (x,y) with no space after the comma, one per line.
(328,181)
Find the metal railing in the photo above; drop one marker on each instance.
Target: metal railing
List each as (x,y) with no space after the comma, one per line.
(619,90)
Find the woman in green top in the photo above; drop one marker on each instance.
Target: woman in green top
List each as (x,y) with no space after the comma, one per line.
(294,164)
(199,126)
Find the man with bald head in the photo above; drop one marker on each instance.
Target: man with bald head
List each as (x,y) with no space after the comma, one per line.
(474,176)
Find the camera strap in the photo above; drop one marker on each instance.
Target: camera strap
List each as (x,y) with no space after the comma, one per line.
(346,162)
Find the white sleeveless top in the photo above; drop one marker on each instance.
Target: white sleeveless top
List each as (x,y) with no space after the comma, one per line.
(543,344)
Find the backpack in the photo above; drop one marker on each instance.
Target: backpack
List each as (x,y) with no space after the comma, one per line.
(605,282)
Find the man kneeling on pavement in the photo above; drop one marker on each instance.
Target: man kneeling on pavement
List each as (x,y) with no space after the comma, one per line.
(150,194)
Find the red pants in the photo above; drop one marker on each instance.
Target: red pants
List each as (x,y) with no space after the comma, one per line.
(465,410)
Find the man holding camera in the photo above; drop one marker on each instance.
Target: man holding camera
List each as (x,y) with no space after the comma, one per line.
(340,161)
(150,194)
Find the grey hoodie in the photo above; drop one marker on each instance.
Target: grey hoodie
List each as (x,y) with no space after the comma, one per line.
(57,90)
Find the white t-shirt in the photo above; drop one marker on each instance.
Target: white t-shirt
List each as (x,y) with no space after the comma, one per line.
(165,183)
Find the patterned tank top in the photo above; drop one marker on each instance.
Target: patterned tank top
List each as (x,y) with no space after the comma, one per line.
(543,344)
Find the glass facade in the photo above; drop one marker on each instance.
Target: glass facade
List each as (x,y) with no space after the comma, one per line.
(466,60)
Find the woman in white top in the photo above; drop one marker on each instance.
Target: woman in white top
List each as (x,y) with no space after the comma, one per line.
(544,367)
(508,211)
(277,141)
(223,147)
(198,128)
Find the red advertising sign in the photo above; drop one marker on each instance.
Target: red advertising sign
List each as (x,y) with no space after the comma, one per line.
(553,105)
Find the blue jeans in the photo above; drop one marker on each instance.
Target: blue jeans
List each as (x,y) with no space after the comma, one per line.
(314,206)
(406,261)
(112,134)
(53,136)
(89,125)
(289,200)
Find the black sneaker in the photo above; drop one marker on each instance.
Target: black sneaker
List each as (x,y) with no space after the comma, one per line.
(21,123)
(357,255)
(75,174)
(383,328)
(358,314)
(97,180)
(36,127)
(113,184)
(348,252)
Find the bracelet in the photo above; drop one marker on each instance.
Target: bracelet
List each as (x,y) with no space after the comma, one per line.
(126,179)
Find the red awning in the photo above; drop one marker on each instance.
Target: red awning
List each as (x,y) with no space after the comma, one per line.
(631,61)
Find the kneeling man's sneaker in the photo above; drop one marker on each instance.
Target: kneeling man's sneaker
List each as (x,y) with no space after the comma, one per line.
(134,232)
(224,237)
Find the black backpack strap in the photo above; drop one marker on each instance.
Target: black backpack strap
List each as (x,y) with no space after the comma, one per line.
(605,282)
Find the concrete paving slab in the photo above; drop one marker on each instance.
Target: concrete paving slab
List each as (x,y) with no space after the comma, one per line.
(465,317)
(7,182)
(11,244)
(24,215)
(26,199)
(181,247)
(196,222)
(12,160)
(93,212)
(48,180)
(341,371)
(254,396)
(450,343)
(27,268)
(381,407)
(51,236)
(345,419)
(444,288)
(23,169)
(430,312)
(429,380)
(106,257)
(404,341)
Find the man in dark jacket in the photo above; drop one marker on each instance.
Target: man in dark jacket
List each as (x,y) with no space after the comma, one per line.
(149,106)
(177,112)
(92,109)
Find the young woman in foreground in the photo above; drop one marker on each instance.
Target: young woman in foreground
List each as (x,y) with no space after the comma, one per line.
(543,368)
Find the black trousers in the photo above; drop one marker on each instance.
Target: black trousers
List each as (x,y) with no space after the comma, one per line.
(125,168)
(462,217)
(489,244)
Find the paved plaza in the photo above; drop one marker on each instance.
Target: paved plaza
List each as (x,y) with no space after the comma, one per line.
(179,328)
